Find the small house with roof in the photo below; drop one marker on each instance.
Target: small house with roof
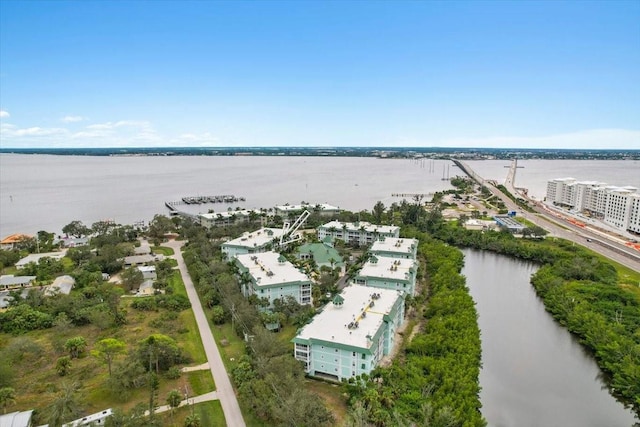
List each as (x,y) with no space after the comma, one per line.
(138,260)
(269,275)
(72,242)
(11,242)
(509,223)
(60,285)
(352,333)
(258,241)
(324,254)
(9,281)
(148,272)
(389,273)
(35,258)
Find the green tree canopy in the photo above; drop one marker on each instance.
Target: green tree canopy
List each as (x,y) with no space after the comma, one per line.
(108,349)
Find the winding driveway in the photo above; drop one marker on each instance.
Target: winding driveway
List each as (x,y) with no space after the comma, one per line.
(225,391)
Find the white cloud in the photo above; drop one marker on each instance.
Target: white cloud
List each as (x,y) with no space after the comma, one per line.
(11,131)
(72,119)
(121,133)
(4,114)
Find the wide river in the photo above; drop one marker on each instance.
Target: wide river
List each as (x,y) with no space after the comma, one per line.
(534,373)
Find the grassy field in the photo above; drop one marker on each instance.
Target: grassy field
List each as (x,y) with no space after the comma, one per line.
(201,382)
(35,354)
(163,250)
(210,414)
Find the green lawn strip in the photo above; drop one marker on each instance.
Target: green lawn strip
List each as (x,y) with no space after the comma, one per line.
(175,280)
(234,348)
(210,414)
(192,342)
(163,250)
(201,382)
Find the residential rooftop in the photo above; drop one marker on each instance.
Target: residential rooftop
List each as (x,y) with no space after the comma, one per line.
(361,225)
(257,238)
(308,206)
(14,238)
(394,245)
(35,258)
(322,253)
(228,214)
(345,323)
(61,285)
(395,269)
(270,269)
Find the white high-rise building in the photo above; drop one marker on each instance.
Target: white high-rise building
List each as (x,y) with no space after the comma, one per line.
(616,206)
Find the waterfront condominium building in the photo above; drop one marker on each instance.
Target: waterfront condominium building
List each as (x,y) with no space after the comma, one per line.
(362,233)
(269,275)
(226,218)
(394,247)
(351,334)
(556,189)
(634,214)
(389,273)
(616,206)
(251,242)
(323,209)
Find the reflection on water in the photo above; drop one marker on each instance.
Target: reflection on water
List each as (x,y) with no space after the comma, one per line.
(534,372)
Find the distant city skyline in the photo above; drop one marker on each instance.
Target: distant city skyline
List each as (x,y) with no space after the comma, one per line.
(531,74)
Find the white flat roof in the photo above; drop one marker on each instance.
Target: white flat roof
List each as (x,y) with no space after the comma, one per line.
(387,268)
(356,226)
(322,206)
(10,279)
(228,214)
(270,268)
(36,257)
(563,179)
(394,245)
(256,238)
(332,324)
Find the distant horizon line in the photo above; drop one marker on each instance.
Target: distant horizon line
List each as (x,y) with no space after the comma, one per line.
(290,147)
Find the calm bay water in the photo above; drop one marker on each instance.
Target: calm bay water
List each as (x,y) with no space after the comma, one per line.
(534,373)
(40,192)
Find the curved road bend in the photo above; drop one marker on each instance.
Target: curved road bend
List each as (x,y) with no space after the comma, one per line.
(225,392)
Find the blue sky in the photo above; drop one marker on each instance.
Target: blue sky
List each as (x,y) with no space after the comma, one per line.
(303,73)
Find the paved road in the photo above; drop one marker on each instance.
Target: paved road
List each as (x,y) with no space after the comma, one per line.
(563,229)
(225,392)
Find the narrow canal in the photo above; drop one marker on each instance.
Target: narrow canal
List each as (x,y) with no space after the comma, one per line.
(534,372)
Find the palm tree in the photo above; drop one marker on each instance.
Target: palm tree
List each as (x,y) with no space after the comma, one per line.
(7,398)
(65,407)
(192,420)
(173,400)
